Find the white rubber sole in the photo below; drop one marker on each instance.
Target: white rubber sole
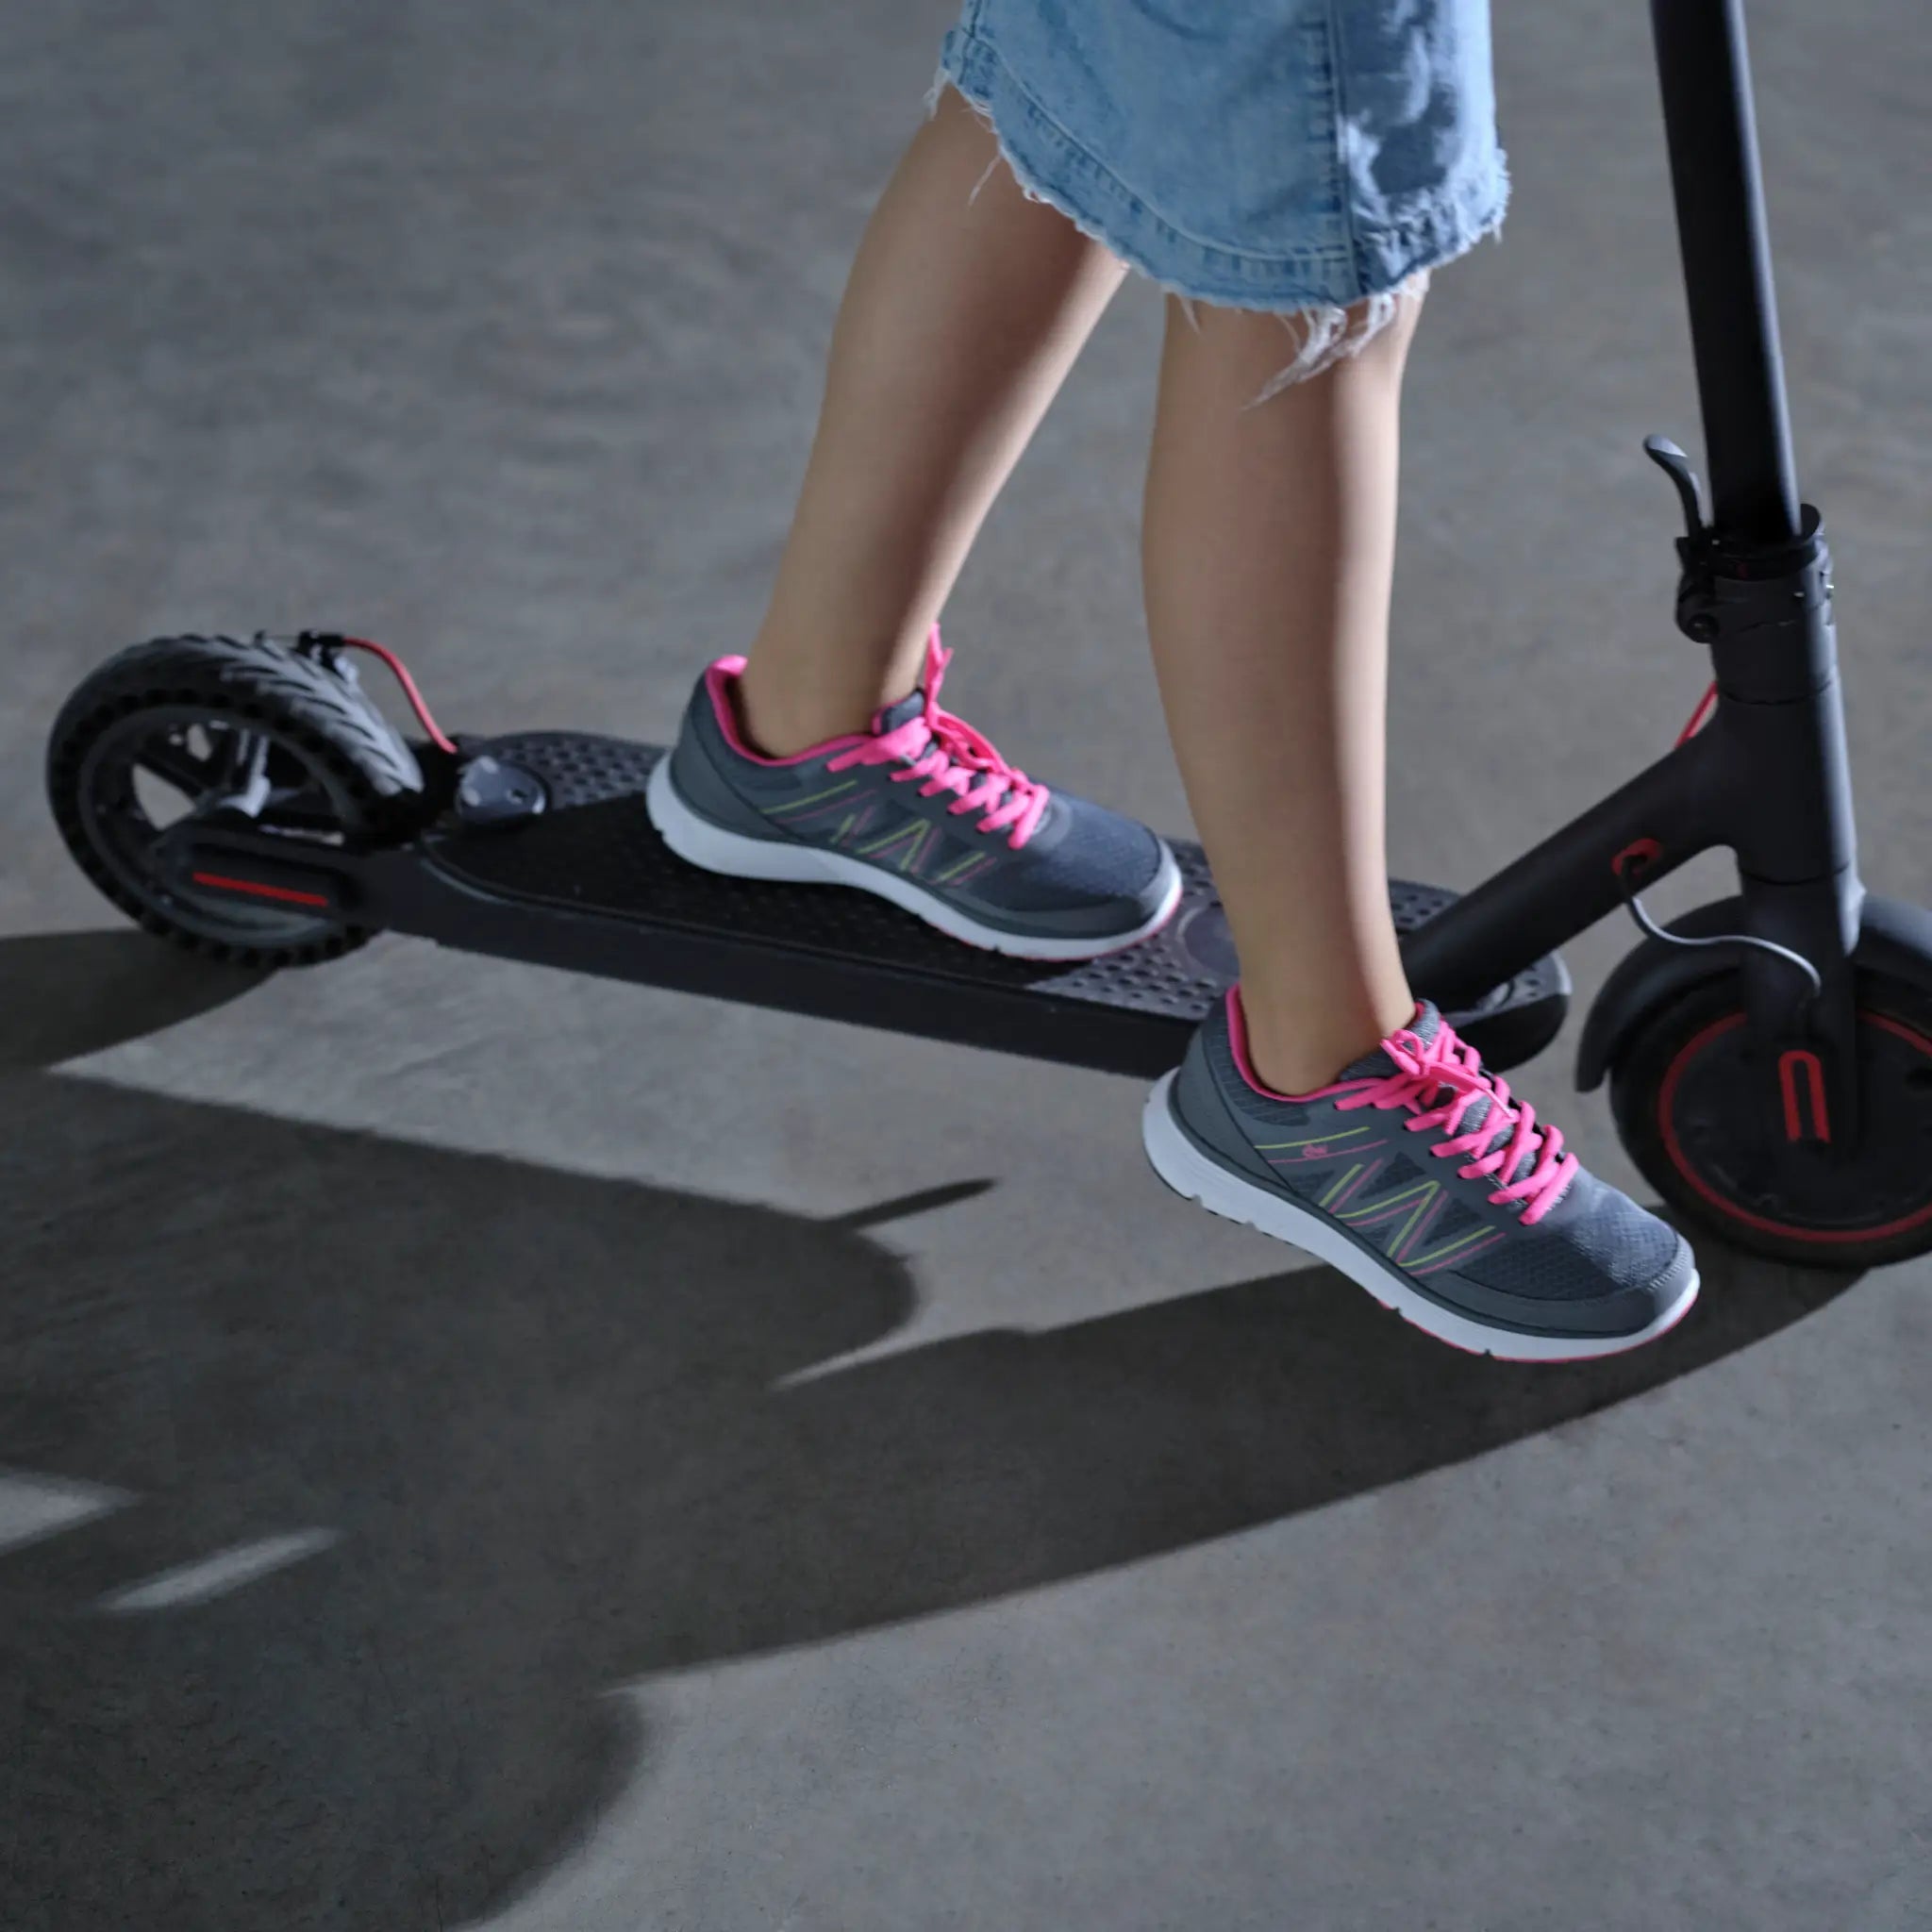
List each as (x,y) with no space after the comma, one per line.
(702,843)
(1190,1173)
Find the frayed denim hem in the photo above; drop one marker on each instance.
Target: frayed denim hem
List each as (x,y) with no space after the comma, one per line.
(1343,299)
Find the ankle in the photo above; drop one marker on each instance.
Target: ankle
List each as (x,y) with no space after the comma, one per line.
(779,723)
(1297,1051)
(1294,1067)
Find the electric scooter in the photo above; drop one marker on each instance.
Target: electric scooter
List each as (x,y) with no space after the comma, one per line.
(1768,1057)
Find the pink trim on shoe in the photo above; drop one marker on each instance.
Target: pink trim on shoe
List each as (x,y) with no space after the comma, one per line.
(719,675)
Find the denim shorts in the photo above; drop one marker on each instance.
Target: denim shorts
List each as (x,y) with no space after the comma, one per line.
(1289,154)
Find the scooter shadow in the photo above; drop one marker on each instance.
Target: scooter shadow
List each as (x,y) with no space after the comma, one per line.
(536,1433)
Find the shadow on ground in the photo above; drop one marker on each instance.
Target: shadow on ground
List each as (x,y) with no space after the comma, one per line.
(537,1421)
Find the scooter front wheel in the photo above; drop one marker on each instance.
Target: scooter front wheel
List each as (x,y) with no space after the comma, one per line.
(1713,1129)
(173,731)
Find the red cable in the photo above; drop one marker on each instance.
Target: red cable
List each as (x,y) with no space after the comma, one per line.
(1648,850)
(1700,714)
(409,690)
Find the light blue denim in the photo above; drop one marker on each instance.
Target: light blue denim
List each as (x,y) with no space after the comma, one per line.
(1290,155)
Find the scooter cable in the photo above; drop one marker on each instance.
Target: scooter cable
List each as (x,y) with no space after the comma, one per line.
(1648,924)
(401,673)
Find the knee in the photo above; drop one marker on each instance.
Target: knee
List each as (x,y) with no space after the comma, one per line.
(1282,348)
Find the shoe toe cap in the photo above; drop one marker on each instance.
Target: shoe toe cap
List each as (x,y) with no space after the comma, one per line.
(1598,1265)
(1089,861)
(1104,855)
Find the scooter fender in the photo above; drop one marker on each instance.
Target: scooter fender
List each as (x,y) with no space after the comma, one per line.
(1895,937)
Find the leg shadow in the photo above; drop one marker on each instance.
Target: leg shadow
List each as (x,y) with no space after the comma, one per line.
(404,1457)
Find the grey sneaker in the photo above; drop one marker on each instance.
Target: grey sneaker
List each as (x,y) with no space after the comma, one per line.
(1543,1262)
(922,811)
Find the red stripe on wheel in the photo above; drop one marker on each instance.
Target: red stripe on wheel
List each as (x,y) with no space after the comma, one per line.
(257,889)
(1787,1064)
(1821,1236)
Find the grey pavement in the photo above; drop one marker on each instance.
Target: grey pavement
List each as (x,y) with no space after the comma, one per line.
(480,1448)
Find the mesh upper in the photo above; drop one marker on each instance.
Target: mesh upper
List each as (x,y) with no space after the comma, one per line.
(1099,854)
(1593,1239)
(1452,1220)
(1400,1173)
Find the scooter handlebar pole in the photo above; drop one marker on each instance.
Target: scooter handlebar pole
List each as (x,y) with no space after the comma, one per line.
(1711,126)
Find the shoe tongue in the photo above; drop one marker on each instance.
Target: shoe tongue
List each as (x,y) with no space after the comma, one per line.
(903,712)
(1378,1065)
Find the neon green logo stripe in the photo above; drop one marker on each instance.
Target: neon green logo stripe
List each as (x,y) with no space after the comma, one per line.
(1342,1186)
(1312,1140)
(1427,1189)
(1450,1246)
(816,798)
(958,866)
(917,829)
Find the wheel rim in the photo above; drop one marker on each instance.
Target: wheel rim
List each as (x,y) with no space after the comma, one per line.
(1728,1152)
(152,774)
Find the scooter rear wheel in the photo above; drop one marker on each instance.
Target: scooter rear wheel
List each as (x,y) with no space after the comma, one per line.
(177,728)
(1688,1095)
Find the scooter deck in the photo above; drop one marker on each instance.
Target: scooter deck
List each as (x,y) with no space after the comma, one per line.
(586,884)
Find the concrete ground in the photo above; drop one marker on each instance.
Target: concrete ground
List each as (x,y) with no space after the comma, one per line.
(490,1449)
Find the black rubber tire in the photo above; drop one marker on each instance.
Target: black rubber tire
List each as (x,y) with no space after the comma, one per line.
(1897,1052)
(374,782)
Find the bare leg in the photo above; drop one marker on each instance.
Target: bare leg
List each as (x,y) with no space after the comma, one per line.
(1268,551)
(963,313)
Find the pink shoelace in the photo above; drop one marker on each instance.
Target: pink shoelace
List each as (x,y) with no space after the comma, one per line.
(951,756)
(1426,1069)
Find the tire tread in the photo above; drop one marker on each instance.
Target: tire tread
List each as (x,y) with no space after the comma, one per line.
(252,678)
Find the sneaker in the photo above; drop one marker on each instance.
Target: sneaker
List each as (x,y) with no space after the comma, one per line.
(1418,1176)
(922,811)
